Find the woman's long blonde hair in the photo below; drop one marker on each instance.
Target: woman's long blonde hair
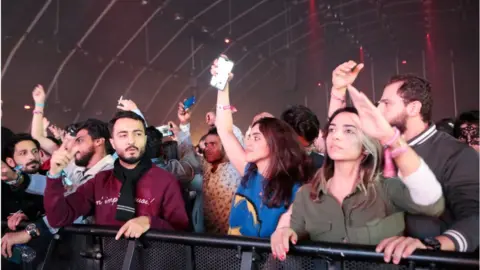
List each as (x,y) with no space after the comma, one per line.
(370,167)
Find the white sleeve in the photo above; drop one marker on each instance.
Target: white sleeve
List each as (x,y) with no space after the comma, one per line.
(423,186)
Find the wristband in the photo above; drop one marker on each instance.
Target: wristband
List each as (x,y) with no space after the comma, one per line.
(393,139)
(39,105)
(224,107)
(58,175)
(66,181)
(37,112)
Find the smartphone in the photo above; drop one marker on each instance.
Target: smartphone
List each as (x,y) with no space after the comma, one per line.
(187,104)
(225,66)
(165,130)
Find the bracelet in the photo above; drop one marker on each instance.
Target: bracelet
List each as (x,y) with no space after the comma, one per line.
(39,105)
(393,139)
(37,112)
(224,107)
(337,98)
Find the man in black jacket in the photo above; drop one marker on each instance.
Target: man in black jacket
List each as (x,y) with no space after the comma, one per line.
(407,103)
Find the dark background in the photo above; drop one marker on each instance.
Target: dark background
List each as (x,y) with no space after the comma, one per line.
(284,51)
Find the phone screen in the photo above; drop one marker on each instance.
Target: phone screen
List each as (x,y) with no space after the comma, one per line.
(225,66)
(187,104)
(165,130)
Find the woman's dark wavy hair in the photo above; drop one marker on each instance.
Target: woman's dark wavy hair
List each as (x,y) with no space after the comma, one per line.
(289,163)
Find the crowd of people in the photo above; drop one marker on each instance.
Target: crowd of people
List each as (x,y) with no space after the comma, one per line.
(383,175)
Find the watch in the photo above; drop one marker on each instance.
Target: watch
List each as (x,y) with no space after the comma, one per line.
(32,230)
(432,243)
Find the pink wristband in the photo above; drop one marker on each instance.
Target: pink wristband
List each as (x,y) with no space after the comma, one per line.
(225,107)
(393,139)
(37,112)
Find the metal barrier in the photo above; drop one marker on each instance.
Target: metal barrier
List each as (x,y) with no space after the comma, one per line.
(177,250)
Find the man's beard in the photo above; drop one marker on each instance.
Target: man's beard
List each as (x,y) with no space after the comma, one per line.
(85,159)
(132,160)
(400,122)
(27,170)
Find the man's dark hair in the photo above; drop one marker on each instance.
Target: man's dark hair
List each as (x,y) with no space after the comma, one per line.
(445,125)
(9,148)
(415,88)
(469,117)
(97,129)
(212,131)
(303,121)
(124,114)
(154,142)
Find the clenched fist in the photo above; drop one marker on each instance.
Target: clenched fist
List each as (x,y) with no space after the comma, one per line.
(60,159)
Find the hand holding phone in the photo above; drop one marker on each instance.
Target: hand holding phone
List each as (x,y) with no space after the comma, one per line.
(189,102)
(165,130)
(221,69)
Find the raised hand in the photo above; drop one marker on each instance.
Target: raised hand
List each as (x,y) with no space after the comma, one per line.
(345,74)
(126,105)
(183,115)
(60,158)
(371,119)
(39,95)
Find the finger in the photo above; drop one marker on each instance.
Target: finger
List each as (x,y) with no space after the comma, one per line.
(390,248)
(381,246)
(279,251)
(121,231)
(411,247)
(351,64)
(343,68)
(285,242)
(358,68)
(272,244)
(138,234)
(400,248)
(11,224)
(340,73)
(129,232)
(4,247)
(9,249)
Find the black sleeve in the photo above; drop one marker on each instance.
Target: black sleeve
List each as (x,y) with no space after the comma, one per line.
(460,189)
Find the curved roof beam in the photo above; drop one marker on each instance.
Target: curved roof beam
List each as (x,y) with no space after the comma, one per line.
(112,61)
(79,44)
(20,41)
(159,89)
(137,76)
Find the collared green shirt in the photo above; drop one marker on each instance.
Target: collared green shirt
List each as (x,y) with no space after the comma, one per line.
(359,220)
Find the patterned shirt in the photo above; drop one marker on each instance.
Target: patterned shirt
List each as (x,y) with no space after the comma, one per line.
(218,189)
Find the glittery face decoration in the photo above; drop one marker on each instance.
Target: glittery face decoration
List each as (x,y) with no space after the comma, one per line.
(469,134)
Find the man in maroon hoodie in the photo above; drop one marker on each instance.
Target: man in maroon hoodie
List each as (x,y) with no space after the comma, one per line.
(136,194)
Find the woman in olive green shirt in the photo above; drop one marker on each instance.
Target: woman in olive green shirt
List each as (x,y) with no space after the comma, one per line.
(349,200)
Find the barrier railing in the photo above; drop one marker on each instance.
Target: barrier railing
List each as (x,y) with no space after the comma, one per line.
(177,250)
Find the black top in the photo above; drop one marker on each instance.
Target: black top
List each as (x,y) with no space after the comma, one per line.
(14,199)
(456,166)
(317,160)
